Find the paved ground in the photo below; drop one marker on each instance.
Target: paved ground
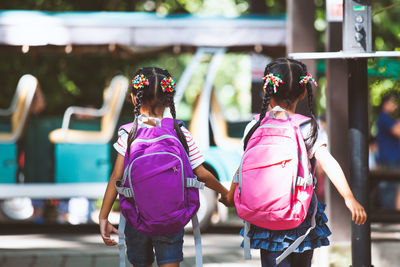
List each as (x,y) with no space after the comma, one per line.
(220,248)
(42,250)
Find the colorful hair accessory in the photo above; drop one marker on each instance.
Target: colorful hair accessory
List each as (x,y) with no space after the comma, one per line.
(168,85)
(139,81)
(272,80)
(306,79)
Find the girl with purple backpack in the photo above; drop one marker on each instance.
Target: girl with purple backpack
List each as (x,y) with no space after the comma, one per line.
(153,90)
(286,83)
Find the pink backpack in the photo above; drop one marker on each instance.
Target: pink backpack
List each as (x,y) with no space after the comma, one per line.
(275,181)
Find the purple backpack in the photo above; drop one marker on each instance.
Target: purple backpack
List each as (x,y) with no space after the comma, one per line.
(159,193)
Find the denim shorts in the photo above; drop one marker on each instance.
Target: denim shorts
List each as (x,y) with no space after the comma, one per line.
(141,249)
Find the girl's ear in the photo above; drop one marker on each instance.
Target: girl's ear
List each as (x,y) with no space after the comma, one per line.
(133,99)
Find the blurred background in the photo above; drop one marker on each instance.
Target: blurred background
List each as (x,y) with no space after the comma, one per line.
(70,74)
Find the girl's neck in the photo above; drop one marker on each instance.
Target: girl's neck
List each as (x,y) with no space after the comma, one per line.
(291,109)
(154,113)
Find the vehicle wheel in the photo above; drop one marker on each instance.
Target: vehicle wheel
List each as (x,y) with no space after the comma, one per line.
(208,204)
(17,208)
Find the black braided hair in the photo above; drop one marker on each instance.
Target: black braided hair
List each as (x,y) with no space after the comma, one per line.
(177,128)
(267,97)
(136,112)
(312,137)
(153,96)
(290,72)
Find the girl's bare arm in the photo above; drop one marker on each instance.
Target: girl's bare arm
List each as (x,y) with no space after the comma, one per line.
(335,173)
(210,180)
(109,197)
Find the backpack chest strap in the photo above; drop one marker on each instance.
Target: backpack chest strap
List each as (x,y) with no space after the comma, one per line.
(194,183)
(128,192)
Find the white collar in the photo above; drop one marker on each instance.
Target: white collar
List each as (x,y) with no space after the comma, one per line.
(143,118)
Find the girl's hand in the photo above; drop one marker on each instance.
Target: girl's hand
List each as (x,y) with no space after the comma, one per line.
(227,201)
(105,229)
(358,214)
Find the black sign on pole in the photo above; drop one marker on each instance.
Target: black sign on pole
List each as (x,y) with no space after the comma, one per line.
(357,32)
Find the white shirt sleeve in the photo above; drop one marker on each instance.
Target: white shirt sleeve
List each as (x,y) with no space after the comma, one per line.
(246,131)
(322,139)
(195,156)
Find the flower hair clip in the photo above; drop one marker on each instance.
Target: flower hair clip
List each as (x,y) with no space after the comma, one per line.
(139,81)
(272,80)
(168,85)
(307,79)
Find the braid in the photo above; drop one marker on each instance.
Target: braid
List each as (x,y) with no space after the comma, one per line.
(177,128)
(267,97)
(133,132)
(310,140)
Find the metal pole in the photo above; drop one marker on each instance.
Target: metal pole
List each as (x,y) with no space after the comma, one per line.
(337,120)
(358,134)
(301,37)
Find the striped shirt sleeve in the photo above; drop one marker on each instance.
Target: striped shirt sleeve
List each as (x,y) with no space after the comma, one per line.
(121,143)
(195,156)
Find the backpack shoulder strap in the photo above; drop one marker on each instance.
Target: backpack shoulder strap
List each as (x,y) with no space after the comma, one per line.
(126,127)
(299,119)
(300,239)
(121,240)
(169,123)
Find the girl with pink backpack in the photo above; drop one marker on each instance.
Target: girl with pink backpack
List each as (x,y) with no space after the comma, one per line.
(273,187)
(157,174)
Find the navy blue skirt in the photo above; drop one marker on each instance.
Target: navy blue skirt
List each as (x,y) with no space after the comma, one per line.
(279,240)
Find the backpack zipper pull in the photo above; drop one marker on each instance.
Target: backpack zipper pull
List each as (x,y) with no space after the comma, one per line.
(175,169)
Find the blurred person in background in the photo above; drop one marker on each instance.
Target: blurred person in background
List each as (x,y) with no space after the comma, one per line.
(388,140)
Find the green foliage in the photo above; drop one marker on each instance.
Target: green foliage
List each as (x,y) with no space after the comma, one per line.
(386,28)
(384,77)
